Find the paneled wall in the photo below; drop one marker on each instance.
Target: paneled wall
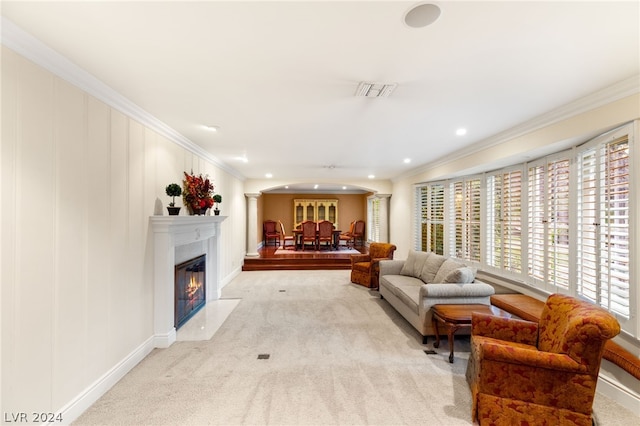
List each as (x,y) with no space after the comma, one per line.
(79,182)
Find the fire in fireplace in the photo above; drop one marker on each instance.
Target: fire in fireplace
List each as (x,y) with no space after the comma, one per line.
(190,290)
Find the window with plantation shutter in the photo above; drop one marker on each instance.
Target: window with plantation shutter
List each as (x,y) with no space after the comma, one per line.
(431,218)
(466,213)
(548,213)
(504,221)
(563,223)
(374,219)
(603,259)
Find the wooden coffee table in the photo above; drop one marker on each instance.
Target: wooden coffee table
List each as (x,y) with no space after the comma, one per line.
(455,317)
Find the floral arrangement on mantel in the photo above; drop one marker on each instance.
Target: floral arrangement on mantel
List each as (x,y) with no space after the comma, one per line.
(197,193)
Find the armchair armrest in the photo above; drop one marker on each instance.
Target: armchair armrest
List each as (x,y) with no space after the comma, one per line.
(529,358)
(355,258)
(391,267)
(507,329)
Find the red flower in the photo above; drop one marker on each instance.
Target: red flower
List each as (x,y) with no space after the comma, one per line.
(198,192)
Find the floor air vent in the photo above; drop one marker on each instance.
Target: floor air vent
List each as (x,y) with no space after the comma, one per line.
(430,352)
(263,356)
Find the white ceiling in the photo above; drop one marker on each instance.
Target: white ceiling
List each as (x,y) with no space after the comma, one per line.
(278,78)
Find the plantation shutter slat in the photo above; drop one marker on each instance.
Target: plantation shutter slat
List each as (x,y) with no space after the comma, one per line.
(504,219)
(432,211)
(549,224)
(467,208)
(603,225)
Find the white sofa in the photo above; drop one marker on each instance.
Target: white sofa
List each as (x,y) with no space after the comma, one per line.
(424,279)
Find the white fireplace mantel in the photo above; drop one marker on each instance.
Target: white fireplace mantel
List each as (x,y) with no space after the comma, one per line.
(170,232)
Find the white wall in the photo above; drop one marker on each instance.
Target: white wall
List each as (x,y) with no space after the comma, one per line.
(79,182)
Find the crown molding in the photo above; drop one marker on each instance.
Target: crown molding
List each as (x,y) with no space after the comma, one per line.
(617,91)
(23,43)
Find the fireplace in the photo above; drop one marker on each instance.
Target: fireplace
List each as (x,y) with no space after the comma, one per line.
(169,233)
(190,289)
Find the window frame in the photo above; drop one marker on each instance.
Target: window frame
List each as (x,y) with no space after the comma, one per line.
(427,202)
(559,183)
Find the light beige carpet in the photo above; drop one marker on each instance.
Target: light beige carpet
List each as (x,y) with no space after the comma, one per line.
(338,354)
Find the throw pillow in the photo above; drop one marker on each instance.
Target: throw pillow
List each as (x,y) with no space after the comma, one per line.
(460,276)
(407,268)
(431,267)
(413,265)
(446,268)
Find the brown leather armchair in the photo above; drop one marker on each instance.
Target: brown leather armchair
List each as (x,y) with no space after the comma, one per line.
(521,371)
(365,268)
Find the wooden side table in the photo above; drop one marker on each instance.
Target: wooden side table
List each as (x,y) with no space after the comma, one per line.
(455,317)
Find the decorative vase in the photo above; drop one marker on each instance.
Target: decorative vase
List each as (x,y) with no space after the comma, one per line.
(216,212)
(173,211)
(198,212)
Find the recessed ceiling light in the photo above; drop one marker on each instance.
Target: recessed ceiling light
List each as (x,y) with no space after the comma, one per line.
(407,160)
(461,132)
(212,128)
(269,175)
(371,177)
(422,15)
(344,187)
(315,186)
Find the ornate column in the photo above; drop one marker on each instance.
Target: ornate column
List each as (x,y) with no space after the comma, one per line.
(252,224)
(383,213)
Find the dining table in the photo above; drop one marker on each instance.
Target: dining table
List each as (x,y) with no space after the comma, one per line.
(297,234)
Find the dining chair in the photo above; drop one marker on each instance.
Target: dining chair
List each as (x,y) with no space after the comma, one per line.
(286,237)
(325,234)
(308,233)
(270,232)
(347,237)
(358,233)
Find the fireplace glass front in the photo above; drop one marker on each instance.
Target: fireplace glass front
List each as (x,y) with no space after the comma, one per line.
(189,289)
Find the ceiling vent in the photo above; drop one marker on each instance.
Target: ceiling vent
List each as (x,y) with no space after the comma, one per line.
(375,90)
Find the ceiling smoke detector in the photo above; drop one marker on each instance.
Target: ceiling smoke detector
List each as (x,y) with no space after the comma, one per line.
(375,90)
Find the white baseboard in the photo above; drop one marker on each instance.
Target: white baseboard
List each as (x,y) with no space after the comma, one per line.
(71,411)
(164,340)
(226,280)
(611,388)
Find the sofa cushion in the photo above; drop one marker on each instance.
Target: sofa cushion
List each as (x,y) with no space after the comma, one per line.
(409,294)
(446,268)
(462,275)
(431,267)
(392,282)
(413,265)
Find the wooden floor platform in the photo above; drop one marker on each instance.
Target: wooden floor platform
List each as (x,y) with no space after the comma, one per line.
(268,260)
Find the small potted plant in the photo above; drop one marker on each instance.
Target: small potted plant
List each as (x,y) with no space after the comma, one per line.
(173,190)
(217,198)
